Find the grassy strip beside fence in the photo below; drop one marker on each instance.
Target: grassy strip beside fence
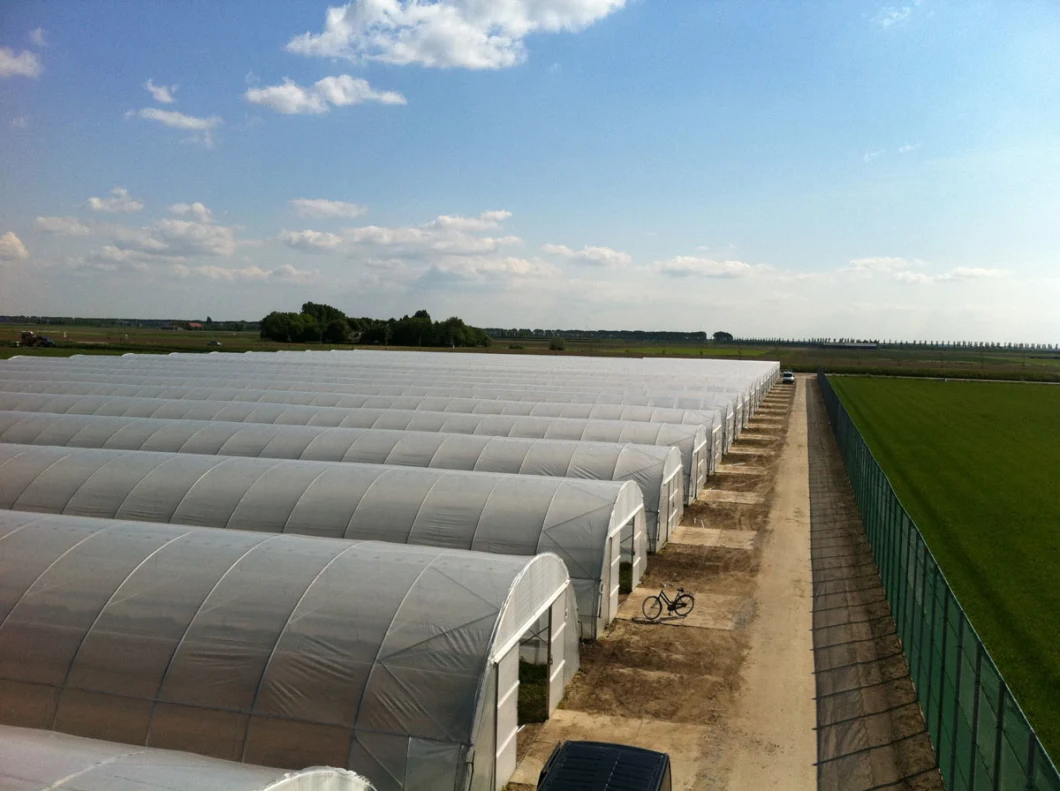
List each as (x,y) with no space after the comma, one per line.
(981,736)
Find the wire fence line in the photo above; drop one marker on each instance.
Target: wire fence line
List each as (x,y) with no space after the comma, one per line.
(982,738)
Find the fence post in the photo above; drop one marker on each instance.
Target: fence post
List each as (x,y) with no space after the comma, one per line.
(999,735)
(1032,753)
(923,615)
(975,713)
(956,694)
(942,667)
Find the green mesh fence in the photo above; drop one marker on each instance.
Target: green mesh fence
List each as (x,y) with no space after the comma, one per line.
(981,736)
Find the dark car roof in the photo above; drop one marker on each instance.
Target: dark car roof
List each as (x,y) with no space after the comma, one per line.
(600,766)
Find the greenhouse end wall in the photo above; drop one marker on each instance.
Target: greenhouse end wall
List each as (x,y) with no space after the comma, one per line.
(981,736)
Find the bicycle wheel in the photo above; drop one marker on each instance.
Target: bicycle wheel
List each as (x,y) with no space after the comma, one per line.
(652,608)
(683,605)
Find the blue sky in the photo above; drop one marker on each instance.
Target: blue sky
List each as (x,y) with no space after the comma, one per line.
(826,168)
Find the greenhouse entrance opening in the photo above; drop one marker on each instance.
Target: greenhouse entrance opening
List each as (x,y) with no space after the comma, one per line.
(530,678)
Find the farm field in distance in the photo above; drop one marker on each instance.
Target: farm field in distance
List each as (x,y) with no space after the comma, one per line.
(977,465)
(889,361)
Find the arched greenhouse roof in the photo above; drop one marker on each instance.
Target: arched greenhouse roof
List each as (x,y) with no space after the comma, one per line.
(265,387)
(277,366)
(488,512)
(282,650)
(36,760)
(133,401)
(651,467)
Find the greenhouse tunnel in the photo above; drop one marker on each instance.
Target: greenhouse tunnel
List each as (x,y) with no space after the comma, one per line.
(593,526)
(697,456)
(399,662)
(655,469)
(37,760)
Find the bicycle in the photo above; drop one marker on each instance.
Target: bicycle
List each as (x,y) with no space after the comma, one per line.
(681,605)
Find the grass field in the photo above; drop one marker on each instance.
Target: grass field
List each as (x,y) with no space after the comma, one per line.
(977,465)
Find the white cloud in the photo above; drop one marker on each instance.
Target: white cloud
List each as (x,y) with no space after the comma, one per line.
(19,122)
(469,34)
(868,156)
(62,226)
(892,15)
(960,273)
(11,249)
(37,37)
(196,211)
(975,273)
(688,266)
(876,264)
(202,128)
(321,208)
(290,98)
(480,268)
(488,220)
(119,201)
(251,273)
(24,64)
(593,256)
(163,94)
(905,148)
(311,241)
(185,237)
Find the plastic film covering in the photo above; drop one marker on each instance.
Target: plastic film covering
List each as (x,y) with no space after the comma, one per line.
(280,650)
(588,406)
(488,512)
(981,736)
(503,386)
(636,375)
(132,401)
(35,760)
(655,469)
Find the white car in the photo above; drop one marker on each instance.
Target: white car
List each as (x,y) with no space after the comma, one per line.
(788,377)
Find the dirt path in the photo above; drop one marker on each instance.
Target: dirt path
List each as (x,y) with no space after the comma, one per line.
(871,734)
(776,710)
(728,692)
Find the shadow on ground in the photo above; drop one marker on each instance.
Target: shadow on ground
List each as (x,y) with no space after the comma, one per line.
(870,729)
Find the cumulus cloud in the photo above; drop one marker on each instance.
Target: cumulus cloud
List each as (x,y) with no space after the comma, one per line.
(905,148)
(202,129)
(593,256)
(11,249)
(290,98)
(195,211)
(62,226)
(868,156)
(486,221)
(891,15)
(37,37)
(467,34)
(876,264)
(482,268)
(249,273)
(311,241)
(118,202)
(163,94)
(320,208)
(960,273)
(692,266)
(22,64)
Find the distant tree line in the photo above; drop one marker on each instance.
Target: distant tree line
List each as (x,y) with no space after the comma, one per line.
(82,321)
(318,323)
(646,336)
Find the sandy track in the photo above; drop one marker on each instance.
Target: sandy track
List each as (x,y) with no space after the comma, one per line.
(730,697)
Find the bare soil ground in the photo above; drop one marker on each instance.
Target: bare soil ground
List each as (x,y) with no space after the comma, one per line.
(645,682)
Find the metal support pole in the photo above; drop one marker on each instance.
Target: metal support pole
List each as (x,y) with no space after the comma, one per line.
(1000,732)
(975,714)
(956,697)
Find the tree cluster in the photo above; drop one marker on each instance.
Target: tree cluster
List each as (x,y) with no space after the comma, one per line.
(325,324)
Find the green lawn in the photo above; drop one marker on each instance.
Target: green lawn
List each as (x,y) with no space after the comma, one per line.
(977,465)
